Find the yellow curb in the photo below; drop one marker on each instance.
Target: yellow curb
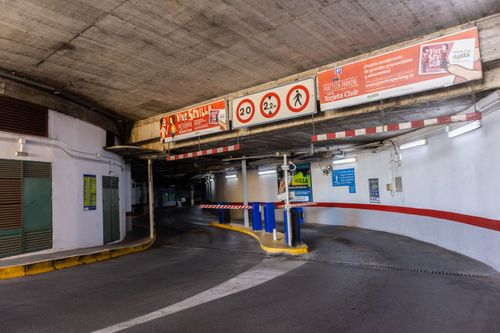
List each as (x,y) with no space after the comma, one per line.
(49,265)
(104,255)
(67,262)
(303,249)
(12,272)
(88,259)
(40,267)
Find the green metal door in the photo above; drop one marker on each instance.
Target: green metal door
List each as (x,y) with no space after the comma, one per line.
(11,219)
(25,207)
(111,211)
(37,206)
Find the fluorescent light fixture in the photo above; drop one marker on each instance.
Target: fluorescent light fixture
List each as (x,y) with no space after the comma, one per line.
(266,172)
(413,144)
(231,176)
(464,129)
(345,160)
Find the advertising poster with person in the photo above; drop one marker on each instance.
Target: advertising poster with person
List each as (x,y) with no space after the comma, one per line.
(441,62)
(198,121)
(299,183)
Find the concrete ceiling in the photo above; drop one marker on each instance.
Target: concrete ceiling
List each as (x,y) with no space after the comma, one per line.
(141,58)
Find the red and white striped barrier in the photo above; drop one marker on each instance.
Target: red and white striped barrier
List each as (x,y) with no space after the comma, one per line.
(225,207)
(204,152)
(398,127)
(241,206)
(297,204)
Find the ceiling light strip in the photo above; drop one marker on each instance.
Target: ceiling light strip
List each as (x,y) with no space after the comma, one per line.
(203,153)
(398,127)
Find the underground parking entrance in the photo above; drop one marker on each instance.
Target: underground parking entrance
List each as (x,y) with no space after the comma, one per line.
(366,206)
(272,182)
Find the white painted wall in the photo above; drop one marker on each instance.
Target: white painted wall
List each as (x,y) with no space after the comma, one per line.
(71,148)
(450,174)
(260,188)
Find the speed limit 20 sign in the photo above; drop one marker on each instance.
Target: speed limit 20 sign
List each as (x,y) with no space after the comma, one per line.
(289,101)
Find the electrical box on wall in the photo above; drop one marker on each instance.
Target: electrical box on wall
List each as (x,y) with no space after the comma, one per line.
(399,184)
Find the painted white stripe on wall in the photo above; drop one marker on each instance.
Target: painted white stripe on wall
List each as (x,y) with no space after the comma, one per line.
(403,126)
(322,137)
(360,131)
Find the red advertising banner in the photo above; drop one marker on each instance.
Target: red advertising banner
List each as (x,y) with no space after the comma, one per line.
(437,63)
(193,122)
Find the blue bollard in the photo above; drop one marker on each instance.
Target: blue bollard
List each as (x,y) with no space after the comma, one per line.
(300,211)
(223,214)
(269,218)
(256,217)
(285,226)
(297,216)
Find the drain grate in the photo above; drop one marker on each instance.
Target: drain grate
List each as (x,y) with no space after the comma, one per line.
(354,264)
(379,267)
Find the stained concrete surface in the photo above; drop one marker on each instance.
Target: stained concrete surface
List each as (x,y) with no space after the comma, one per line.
(144,58)
(323,295)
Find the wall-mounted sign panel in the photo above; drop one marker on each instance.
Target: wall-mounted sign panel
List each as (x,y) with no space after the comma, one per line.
(441,62)
(193,122)
(374,190)
(344,177)
(289,101)
(89,192)
(299,183)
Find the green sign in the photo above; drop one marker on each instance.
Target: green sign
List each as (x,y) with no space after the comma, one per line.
(89,192)
(299,182)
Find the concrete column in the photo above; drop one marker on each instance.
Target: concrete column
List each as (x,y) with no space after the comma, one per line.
(285,168)
(246,222)
(192,195)
(128,196)
(151,199)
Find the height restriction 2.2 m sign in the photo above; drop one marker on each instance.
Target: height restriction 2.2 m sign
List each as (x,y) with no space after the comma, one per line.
(289,101)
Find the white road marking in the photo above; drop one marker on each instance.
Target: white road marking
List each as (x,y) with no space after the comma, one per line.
(267,270)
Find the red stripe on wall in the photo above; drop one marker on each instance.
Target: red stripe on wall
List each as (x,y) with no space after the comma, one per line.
(439,214)
(393,127)
(350,133)
(473,116)
(476,221)
(417,123)
(444,120)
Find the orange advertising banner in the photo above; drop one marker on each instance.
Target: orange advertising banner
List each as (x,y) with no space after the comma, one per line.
(193,122)
(437,63)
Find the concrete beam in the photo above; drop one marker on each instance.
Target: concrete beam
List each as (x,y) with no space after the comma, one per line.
(23,92)
(146,132)
(491,81)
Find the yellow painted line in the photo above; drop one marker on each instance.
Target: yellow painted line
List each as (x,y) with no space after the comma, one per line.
(274,250)
(40,267)
(13,272)
(67,262)
(104,255)
(88,259)
(120,252)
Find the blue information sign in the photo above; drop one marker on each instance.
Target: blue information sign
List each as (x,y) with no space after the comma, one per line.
(344,177)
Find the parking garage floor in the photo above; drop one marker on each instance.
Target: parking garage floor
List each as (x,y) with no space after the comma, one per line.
(202,279)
